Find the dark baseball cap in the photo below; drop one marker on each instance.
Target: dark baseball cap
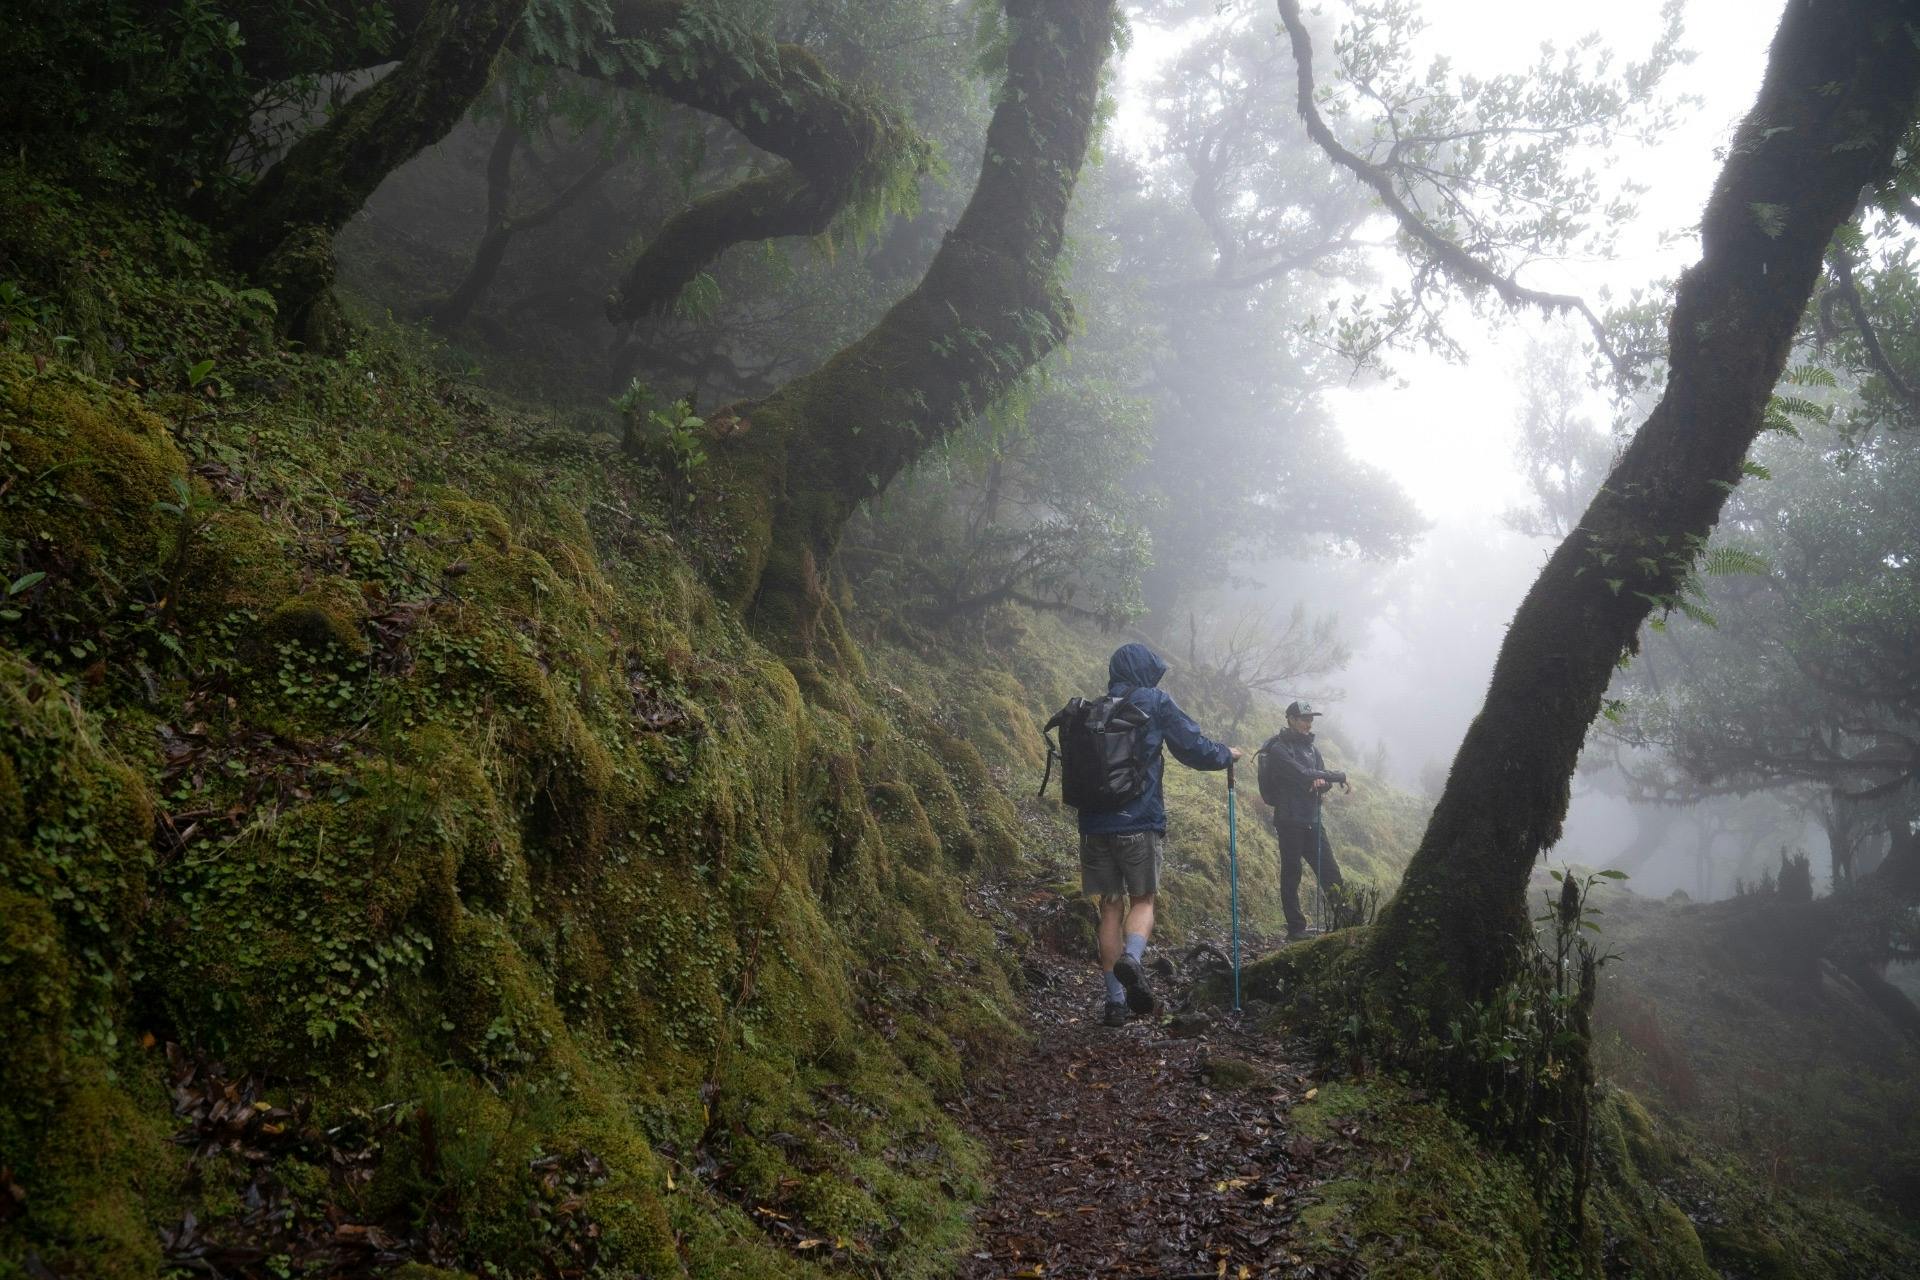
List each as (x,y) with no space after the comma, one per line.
(1301,711)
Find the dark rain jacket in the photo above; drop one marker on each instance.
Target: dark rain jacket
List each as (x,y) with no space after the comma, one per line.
(1299,764)
(1133,671)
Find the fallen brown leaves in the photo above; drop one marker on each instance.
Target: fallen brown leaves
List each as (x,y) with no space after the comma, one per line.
(1113,1156)
(230,1123)
(235,1131)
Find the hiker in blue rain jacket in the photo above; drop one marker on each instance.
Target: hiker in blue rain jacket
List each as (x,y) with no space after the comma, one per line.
(1121,850)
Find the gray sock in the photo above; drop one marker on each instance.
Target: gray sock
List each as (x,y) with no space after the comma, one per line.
(1115,992)
(1136,945)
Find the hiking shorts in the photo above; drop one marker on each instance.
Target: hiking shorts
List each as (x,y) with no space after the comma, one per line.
(1126,864)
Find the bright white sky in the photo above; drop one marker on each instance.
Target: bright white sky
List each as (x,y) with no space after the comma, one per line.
(1446,432)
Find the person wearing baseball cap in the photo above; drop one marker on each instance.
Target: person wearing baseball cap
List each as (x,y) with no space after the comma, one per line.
(1294,777)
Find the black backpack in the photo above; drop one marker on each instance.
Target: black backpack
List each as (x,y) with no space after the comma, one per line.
(1273,786)
(1102,752)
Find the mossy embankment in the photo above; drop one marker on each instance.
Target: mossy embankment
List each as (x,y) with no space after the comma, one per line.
(1443,1186)
(1727,1016)
(1420,1196)
(385,743)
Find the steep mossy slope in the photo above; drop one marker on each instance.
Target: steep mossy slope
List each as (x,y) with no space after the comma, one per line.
(1421,1197)
(385,744)
(1421,1194)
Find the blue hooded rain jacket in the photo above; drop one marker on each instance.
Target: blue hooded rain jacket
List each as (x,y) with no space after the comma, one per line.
(1133,671)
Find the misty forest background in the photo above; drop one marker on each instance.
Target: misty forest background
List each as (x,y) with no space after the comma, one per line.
(536,536)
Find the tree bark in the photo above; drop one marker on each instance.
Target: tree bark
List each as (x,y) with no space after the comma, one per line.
(989,309)
(284,233)
(1839,91)
(493,241)
(766,207)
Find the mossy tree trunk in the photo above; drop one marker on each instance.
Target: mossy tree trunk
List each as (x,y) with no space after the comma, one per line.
(1839,92)
(989,309)
(284,233)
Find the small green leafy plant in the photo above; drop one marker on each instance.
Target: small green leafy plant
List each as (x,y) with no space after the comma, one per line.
(676,434)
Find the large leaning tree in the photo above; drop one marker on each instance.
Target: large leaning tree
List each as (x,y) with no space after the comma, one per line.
(797,464)
(1839,95)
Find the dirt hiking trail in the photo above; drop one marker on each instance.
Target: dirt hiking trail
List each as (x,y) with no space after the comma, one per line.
(1160,1149)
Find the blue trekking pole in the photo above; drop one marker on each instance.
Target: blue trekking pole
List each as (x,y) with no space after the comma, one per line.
(1233,888)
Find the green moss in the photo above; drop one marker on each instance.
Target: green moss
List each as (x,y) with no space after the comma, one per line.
(36,1013)
(86,466)
(96,1175)
(329,618)
(73,862)
(1232,1073)
(78,844)
(236,561)
(1422,1198)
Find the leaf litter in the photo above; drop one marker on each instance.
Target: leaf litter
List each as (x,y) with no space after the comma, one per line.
(1159,1149)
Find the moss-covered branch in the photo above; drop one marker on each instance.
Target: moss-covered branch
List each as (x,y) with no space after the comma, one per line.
(765,207)
(989,309)
(1840,90)
(324,179)
(841,147)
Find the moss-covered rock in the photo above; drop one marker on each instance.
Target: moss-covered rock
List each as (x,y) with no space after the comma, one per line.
(75,825)
(1224,1072)
(327,621)
(88,465)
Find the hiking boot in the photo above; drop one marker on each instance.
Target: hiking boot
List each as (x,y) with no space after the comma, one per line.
(1133,976)
(1115,1015)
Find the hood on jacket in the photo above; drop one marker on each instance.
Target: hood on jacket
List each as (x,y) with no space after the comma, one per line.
(1135,665)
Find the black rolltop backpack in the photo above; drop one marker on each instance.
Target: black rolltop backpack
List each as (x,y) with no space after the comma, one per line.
(1102,752)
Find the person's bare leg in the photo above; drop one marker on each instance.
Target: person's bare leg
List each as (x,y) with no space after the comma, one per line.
(1139,920)
(1112,937)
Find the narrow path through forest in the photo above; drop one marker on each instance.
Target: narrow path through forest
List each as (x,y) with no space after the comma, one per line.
(1161,1149)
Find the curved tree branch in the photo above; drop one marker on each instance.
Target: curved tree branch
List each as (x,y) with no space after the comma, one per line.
(325,177)
(1465,269)
(764,207)
(839,144)
(1849,291)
